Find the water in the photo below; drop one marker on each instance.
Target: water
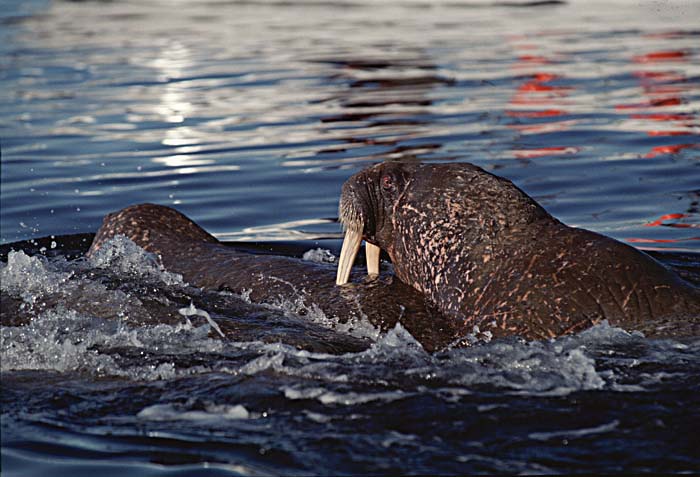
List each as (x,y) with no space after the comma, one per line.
(248,116)
(101,369)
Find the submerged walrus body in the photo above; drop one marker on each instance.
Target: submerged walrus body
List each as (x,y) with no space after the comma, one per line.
(486,254)
(185,248)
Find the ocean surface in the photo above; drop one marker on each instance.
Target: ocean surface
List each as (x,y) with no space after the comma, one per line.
(248,116)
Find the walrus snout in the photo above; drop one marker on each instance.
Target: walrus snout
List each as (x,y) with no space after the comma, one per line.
(365,208)
(354,215)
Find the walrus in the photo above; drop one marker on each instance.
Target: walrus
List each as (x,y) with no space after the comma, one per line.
(184,247)
(486,254)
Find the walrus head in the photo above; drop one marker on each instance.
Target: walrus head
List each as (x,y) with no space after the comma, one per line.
(415,212)
(366,204)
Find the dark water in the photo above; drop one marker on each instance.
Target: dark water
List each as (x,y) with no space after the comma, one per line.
(248,116)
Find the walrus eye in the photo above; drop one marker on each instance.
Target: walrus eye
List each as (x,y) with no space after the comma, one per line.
(387,182)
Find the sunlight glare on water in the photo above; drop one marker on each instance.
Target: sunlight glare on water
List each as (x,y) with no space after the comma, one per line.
(248,117)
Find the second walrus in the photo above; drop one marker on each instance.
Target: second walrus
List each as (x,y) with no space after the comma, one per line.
(486,254)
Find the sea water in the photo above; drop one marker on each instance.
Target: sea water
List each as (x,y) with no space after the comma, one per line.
(248,116)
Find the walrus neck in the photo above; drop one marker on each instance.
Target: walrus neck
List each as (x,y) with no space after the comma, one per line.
(451,272)
(428,269)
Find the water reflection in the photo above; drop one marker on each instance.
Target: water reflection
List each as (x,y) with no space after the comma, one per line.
(251,115)
(380,104)
(174,103)
(539,105)
(291,230)
(665,89)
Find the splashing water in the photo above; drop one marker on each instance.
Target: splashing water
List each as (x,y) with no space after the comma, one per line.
(248,116)
(144,363)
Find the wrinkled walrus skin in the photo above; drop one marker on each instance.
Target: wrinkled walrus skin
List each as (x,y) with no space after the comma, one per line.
(185,248)
(484,253)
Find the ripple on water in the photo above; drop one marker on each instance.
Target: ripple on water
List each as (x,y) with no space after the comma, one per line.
(120,374)
(261,105)
(249,119)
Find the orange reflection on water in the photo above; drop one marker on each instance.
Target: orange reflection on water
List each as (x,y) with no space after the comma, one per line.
(661,221)
(669,149)
(644,240)
(540,60)
(658,56)
(535,91)
(669,133)
(664,89)
(539,86)
(663,117)
(654,103)
(544,151)
(667,220)
(659,75)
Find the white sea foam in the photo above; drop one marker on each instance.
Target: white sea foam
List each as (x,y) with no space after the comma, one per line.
(559,367)
(77,324)
(397,438)
(533,367)
(397,339)
(56,284)
(350,398)
(319,255)
(207,413)
(42,283)
(66,341)
(30,277)
(575,433)
(317,417)
(123,257)
(297,305)
(263,363)
(192,311)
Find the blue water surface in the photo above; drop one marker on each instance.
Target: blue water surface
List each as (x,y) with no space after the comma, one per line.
(248,116)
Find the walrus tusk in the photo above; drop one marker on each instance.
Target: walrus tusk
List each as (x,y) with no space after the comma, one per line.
(372,253)
(351,245)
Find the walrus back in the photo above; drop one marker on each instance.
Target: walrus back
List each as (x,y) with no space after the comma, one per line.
(185,248)
(488,255)
(152,227)
(557,279)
